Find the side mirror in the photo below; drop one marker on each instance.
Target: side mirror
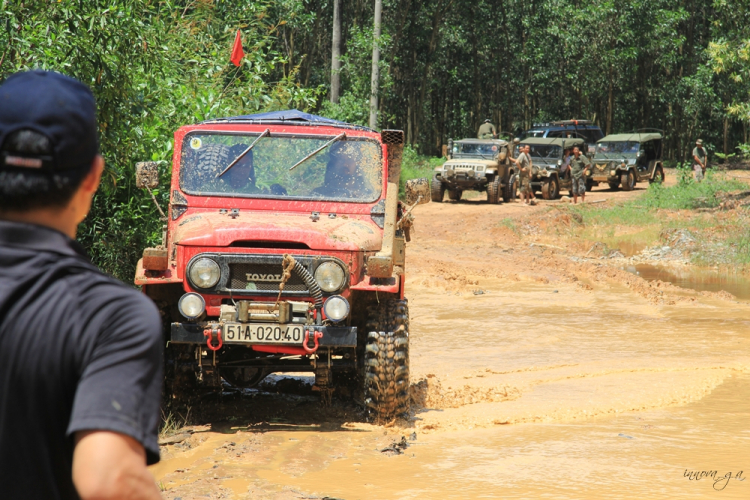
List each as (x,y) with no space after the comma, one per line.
(417,190)
(147,174)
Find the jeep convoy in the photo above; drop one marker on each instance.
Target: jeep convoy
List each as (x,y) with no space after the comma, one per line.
(476,165)
(284,251)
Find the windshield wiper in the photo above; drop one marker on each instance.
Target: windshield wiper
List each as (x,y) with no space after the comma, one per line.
(321,148)
(234,162)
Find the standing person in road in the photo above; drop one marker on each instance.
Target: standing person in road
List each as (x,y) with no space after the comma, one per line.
(80,383)
(487,131)
(699,160)
(516,142)
(579,169)
(524,174)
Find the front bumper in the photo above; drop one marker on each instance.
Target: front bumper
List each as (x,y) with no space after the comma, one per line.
(607,173)
(464,180)
(194,333)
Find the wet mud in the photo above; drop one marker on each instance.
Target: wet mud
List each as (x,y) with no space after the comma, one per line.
(537,372)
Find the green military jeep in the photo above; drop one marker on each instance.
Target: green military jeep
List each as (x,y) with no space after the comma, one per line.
(626,159)
(476,165)
(548,156)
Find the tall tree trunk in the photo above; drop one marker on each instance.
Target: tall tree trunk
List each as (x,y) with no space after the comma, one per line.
(610,103)
(726,132)
(374,83)
(336,53)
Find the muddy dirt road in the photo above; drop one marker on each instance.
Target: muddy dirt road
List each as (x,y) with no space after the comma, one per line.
(538,372)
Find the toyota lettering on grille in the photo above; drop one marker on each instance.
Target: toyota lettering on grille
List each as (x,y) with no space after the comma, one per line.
(271,278)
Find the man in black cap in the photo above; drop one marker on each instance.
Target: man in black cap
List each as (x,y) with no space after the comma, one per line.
(80,380)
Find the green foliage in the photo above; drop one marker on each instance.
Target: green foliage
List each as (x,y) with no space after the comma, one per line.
(153,67)
(642,211)
(510,223)
(446,65)
(414,165)
(356,68)
(689,194)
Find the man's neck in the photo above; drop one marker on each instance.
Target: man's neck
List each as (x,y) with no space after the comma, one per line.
(53,218)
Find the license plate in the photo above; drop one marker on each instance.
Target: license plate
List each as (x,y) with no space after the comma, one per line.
(252,333)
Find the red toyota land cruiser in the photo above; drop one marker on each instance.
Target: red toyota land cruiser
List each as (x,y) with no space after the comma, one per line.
(284,252)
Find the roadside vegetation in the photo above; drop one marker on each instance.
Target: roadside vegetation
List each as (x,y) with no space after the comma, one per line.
(157,65)
(414,165)
(710,220)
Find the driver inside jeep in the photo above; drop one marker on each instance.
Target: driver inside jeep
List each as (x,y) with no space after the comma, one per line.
(240,178)
(344,177)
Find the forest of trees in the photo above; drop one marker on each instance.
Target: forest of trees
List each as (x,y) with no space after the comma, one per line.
(679,65)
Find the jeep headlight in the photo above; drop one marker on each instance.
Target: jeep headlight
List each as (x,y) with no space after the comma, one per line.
(204,273)
(336,308)
(330,276)
(613,173)
(191,305)
(559,163)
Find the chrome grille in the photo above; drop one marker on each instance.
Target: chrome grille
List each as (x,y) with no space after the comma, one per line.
(262,277)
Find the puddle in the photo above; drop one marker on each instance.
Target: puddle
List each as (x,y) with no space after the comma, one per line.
(695,279)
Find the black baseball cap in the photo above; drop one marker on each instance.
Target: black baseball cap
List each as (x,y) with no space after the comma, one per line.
(56,106)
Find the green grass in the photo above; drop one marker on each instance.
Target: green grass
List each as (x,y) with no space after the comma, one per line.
(171,423)
(509,223)
(415,165)
(636,224)
(688,194)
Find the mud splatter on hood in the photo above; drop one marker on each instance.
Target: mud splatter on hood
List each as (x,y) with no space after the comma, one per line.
(345,232)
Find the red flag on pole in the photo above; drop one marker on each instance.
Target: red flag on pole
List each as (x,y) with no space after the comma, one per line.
(237,52)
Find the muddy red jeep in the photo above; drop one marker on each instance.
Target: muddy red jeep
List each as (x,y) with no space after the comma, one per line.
(284,251)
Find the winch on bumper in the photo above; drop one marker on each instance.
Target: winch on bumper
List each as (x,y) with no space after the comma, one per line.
(464,175)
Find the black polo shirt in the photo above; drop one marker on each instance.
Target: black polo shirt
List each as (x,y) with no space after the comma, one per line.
(79,351)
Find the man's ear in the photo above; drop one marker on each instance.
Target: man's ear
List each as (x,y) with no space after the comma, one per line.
(90,183)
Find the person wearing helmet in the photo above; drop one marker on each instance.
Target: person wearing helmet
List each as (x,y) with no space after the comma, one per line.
(487,131)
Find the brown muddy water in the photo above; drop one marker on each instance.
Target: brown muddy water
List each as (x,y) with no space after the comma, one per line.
(699,279)
(528,390)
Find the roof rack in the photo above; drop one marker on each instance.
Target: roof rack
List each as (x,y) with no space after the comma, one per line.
(288,117)
(564,123)
(296,123)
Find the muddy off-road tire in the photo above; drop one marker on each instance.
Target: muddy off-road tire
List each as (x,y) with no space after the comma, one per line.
(455,194)
(180,385)
(628,181)
(437,191)
(493,191)
(658,176)
(509,191)
(386,361)
(550,189)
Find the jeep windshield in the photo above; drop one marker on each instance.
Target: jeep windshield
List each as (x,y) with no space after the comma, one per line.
(475,149)
(347,170)
(617,149)
(545,151)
